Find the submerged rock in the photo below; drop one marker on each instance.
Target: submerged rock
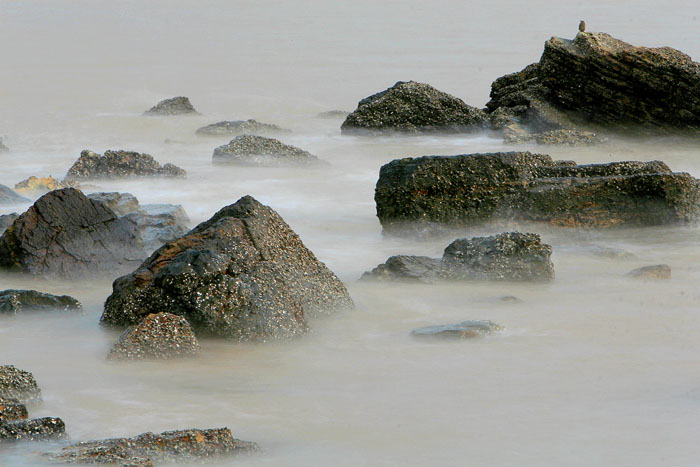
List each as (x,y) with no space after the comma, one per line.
(3,148)
(258,150)
(565,137)
(9,196)
(459,331)
(64,234)
(6,220)
(423,194)
(406,268)
(12,409)
(38,429)
(19,385)
(120,164)
(657,271)
(333,114)
(158,336)
(239,127)
(242,274)
(17,301)
(412,107)
(173,106)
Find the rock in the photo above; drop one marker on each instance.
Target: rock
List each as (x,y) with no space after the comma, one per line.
(64,234)
(38,429)
(423,194)
(182,446)
(8,196)
(610,252)
(19,385)
(658,271)
(333,114)
(598,81)
(261,151)
(510,256)
(17,301)
(412,107)
(173,106)
(34,186)
(242,274)
(158,336)
(120,164)
(565,137)
(121,203)
(3,148)
(12,409)
(459,331)
(239,127)
(6,220)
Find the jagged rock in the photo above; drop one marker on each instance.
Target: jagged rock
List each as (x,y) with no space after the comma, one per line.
(565,137)
(657,271)
(120,164)
(420,195)
(239,127)
(598,81)
(414,107)
(261,151)
(463,330)
(34,186)
(333,114)
(173,106)
(242,274)
(510,256)
(3,148)
(121,203)
(9,196)
(38,429)
(181,446)
(19,385)
(158,336)
(17,301)
(6,220)
(12,409)
(65,234)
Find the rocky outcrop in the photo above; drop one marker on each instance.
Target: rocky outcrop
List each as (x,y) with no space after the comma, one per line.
(12,409)
(459,331)
(120,164)
(511,256)
(657,271)
(17,301)
(173,106)
(561,137)
(19,385)
(34,186)
(242,274)
(157,336)
(598,81)
(261,151)
(9,196)
(239,127)
(6,220)
(64,234)
(411,107)
(420,195)
(38,429)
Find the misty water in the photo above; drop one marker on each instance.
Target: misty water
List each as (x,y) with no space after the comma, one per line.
(593,368)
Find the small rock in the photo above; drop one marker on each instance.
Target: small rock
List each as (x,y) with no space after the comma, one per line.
(34,186)
(240,127)
(611,252)
(562,136)
(12,409)
(158,336)
(333,114)
(16,301)
(509,299)
(406,268)
(38,429)
(18,384)
(459,331)
(120,164)
(173,106)
(9,196)
(261,151)
(657,271)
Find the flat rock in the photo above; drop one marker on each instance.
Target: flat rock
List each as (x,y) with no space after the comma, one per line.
(9,196)
(657,271)
(38,429)
(333,114)
(553,137)
(157,336)
(173,106)
(120,164)
(262,151)
(412,107)
(239,127)
(17,301)
(459,331)
(19,385)
(242,274)
(12,409)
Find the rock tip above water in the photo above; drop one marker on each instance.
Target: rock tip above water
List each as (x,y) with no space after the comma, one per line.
(174,106)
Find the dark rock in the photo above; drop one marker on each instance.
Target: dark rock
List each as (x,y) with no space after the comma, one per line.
(657,271)
(242,274)
(463,330)
(9,196)
(412,107)
(121,203)
(38,429)
(173,106)
(193,445)
(17,301)
(3,148)
(239,127)
(333,114)
(261,151)
(18,384)
(564,137)
(406,268)
(158,336)
(65,234)
(12,409)
(418,195)
(120,164)
(6,220)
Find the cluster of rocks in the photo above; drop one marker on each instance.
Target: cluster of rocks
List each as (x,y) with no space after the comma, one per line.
(18,301)
(239,127)
(120,164)
(262,151)
(174,106)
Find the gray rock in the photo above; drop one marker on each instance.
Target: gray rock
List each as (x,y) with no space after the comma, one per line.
(239,127)
(19,385)
(38,429)
(333,114)
(6,220)
(261,151)
(12,409)
(173,106)
(120,164)
(9,196)
(459,331)
(406,268)
(157,336)
(121,203)
(657,271)
(17,301)
(562,137)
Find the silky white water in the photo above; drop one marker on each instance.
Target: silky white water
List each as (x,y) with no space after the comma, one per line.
(594,368)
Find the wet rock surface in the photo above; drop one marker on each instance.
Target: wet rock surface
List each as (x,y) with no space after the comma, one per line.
(424,194)
(19,385)
(239,127)
(459,331)
(412,107)
(174,106)
(657,271)
(193,445)
(38,429)
(510,256)
(12,409)
(17,301)
(120,164)
(9,196)
(561,137)
(157,336)
(262,151)
(242,274)
(64,234)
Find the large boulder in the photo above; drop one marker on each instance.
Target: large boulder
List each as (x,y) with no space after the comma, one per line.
(9,196)
(17,301)
(598,81)
(174,106)
(418,195)
(38,429)
(261,151)
(412,107)
(242,274)
(120,164)
(19,385)
(157,336)
(65,234)
(239,127)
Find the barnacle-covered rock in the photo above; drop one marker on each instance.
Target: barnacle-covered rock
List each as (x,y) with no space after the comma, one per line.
(157,336)
(174,106)
(261,151)
(18,384)
(120,164)
(17,301)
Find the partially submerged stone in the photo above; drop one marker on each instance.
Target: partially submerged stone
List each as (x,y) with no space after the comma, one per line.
(18,384)
(120,164)
(12,409)
(657,271)
(157,336)
(174,106)
(121,203)
(333,114)
(406,268)
(459,331)
(3,148)
(34,186)
(239,127)
(9,196)
(17,301)
(262,151)
(562,137)
(38,429)
(412,107)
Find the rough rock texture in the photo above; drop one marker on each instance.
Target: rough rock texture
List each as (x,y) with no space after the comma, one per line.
(120,164)
(65,234)
(34,186)
(459,331)
(18,384)
(12,409)
(6,220)
(182,446)
(158,336)
(242,274)
(17,301)
(121,203)
(657,271)
(38,429)
(239,127)
(333,114)
(510,256)
(418,195)
(599,81)
(258,150)
(9,196)
(173,106)
(413,107)
(563,137)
